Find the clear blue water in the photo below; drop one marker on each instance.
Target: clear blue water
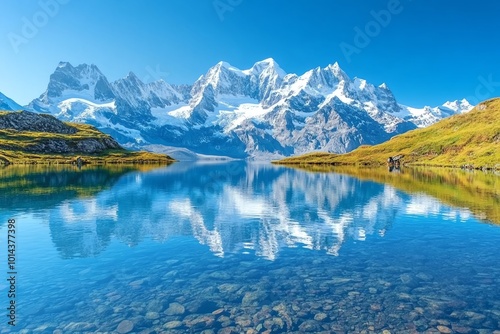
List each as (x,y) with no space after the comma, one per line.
(244,248)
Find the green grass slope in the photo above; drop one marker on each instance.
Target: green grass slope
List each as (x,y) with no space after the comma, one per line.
(468,139)
(17,147)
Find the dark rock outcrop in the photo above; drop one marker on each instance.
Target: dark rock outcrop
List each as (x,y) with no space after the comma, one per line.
(45,134)
(90,146)
(29,121)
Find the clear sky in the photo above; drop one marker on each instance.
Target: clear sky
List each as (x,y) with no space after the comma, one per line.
(427,51)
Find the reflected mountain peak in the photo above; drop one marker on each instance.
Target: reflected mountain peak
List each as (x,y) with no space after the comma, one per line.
(235,207)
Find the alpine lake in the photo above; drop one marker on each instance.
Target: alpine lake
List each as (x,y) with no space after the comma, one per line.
(237,247)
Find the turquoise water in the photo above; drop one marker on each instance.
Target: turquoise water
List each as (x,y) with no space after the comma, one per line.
(243,248)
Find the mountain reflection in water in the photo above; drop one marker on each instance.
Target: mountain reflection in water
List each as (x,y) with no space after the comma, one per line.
(237,208)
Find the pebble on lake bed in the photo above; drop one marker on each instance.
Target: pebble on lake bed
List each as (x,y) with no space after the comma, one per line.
(173,324)
(175,309)
(125,326)
(443,329)
(218,311)
(152,315)
(320,316)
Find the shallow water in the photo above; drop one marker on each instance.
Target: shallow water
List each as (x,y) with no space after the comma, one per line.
(244,248)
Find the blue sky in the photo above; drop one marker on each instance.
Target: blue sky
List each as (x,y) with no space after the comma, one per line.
(427,51)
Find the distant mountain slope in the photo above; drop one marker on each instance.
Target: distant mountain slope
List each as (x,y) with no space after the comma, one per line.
(426,116)
(261,112)
(471,138)
(8,104)
(27,137)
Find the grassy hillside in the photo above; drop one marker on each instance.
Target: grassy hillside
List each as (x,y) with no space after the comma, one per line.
(469,139)
(52,147)
(103,158)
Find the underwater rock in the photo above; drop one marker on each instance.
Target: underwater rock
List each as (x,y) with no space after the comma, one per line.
(125,326)
(152,315)
(79,326)
(228,288)
(207,331)
(175,309)
(172,324)
(243,321)
(218,311)
(309,326)
(461,329)
(228,330)
(155,306)
(443,329)
(198,322)
(251,298)
(320,316)
(339,280)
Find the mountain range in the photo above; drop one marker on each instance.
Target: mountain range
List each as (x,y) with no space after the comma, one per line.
(259,113)
(470,140)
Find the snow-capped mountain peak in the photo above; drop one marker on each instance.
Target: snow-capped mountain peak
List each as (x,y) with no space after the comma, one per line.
(337,71)
(334,66)
(224,80)
(383,86)
(266,66)
(427,115)
(459,107)
(221,77)
(133,77)
(63,64)
(83,94)
(225,66)
(323,79)
(83,81)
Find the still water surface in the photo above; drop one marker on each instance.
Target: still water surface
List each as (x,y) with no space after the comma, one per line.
(248,248)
